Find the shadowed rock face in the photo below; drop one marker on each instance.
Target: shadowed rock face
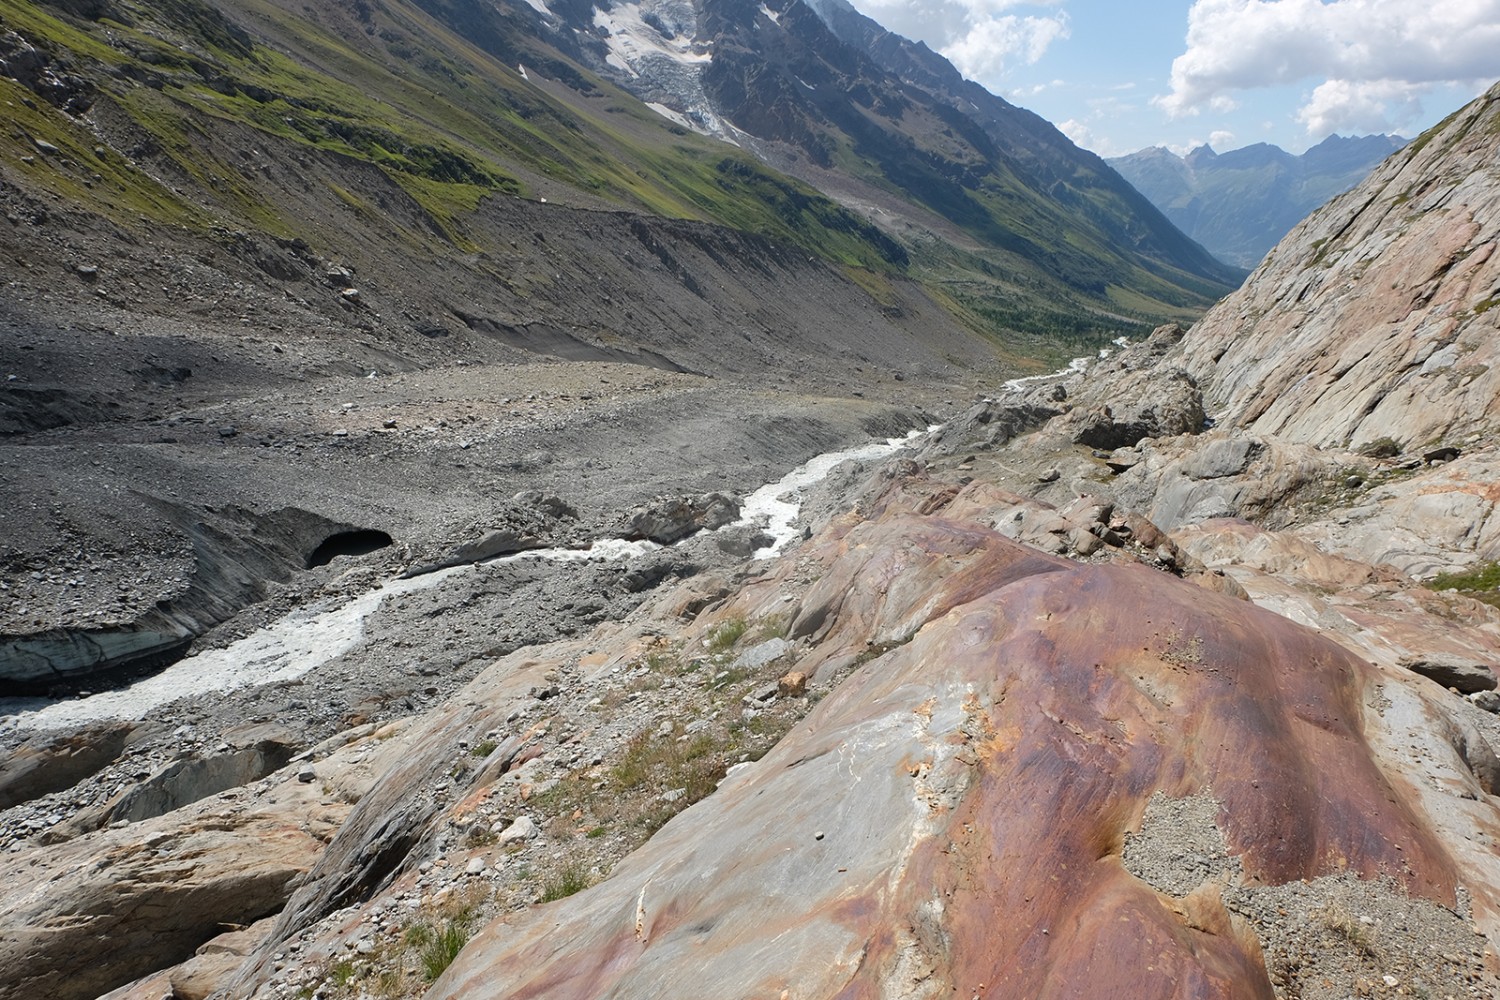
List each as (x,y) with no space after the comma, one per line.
(952,817)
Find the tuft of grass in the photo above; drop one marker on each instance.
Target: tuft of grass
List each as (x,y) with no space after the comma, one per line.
(724,635)
(444,946)
(480,835)
(1343,924)
(1482,584)
(663,663)
(342,972)
(484,748)
(570,879)
(1385,447)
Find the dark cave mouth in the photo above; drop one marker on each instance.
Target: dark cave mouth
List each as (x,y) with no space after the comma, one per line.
(360,542)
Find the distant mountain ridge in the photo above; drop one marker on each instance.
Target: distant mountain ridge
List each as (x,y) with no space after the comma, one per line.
(1240,203)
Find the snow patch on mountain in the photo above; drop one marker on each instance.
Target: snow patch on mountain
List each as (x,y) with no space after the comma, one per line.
(658,49)
(634,42)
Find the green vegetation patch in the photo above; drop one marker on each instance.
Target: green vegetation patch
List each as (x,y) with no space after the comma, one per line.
(1482,583)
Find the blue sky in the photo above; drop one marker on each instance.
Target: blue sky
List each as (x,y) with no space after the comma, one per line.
(1119,76)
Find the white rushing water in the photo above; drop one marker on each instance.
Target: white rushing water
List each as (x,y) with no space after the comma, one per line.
(778,504)
(309,637)
(1075,367)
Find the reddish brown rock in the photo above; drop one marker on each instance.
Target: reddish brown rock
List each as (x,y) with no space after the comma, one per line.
(974,788)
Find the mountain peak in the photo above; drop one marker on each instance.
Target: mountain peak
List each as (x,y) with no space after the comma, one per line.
(1239,203)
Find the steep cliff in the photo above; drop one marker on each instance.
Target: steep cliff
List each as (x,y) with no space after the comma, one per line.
(1374,318)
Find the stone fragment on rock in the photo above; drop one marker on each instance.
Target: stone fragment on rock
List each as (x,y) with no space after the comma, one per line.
(743,541)
(523,829)
(1086,510)
(671,519)
(792,685)
(1083,541)
(1221,457)
(762,694)
(761,654)
(1220,583)
(1488,700)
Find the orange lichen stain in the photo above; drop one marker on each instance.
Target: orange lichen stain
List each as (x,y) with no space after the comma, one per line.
(1485,491)
(925,709)
(917,768)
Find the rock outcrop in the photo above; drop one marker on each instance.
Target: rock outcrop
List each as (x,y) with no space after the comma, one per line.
(1374,318)
(998,763)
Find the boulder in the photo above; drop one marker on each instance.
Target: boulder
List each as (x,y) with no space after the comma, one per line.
(917,803)
(154,892)
(46,764)
(671,519)
(1161,402)
(1459,672)
(1221,457)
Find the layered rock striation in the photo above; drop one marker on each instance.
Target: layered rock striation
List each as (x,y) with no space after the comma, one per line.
(1374,318)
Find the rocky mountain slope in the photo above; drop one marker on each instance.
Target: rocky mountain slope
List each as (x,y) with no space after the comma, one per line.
(890,129)
(1372,320)
(1241,203)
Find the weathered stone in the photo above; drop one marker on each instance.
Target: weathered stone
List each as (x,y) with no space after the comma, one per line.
(761,654)
(672,519)
(1220,457)
(51,764)
(522,829)
(153,891)
(1158,402)
(792,685)
(1459,672)
(1488,699)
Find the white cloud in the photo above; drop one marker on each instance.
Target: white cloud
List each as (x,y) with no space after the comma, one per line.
(1373,106)
(981,37)
(1221,139)
(1085,138)
(1373,58)
(991,44)
(1076,130)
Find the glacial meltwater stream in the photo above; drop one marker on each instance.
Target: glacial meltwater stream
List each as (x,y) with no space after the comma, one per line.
(309,637)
